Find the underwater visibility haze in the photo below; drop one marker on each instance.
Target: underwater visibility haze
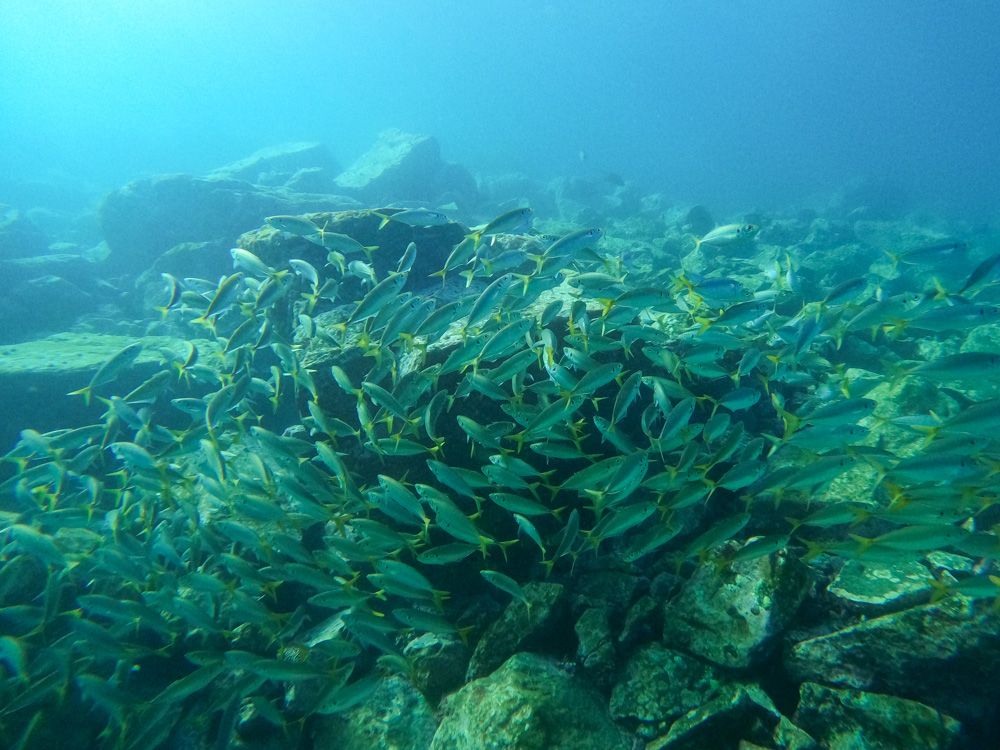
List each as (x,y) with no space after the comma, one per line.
(530,374)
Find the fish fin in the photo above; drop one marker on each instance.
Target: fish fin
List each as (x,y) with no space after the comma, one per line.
(85,392)
(895,257)
(477,236)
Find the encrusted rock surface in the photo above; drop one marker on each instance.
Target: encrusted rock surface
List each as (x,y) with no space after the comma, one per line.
(530,704)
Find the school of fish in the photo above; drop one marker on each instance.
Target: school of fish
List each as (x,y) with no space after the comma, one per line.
(245,523)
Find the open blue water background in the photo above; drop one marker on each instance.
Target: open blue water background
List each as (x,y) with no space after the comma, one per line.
(729,103)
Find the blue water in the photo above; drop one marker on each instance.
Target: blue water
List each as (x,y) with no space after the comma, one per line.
(733,104)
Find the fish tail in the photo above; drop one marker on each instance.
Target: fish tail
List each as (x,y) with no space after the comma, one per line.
(794,522)
(813,550)
(385,218)
(895,257)
(85,392)
(477,236)
(792,422)
(776,442)
(864,541)
(941,590)
(941,292)
(468,274)
(525,277)
(539,260)
(680,283)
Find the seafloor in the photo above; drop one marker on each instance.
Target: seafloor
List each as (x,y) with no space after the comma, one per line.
(502,464)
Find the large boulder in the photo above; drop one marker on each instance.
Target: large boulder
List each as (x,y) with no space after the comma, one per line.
(849,719)
(658,686)
(955,640)
(19,237)
(147,217)
(406,167)
(394,717)
(529,702)
(284,164)
(434,244)
(739,713)
(521,629)
(732,617)
(877,589)
(35,378)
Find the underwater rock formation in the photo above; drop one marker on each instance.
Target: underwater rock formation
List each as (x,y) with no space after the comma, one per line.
(952,641)
(285,165)
(732,618)
(145,218)
(527,703)
(407,167)
(19,237)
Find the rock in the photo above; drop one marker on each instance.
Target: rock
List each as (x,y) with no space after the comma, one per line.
(201,260)
(659,685)
(642,621)
(519,629)
(311,180)
(740,712)
(439,664)
(395,717)
(19,237)
(405,167)
(527,703)
(36,376)
(47,293)
(44,303)
(733,617)
(881,198)
(785,232)
(824,233)
(595,651)
(954,640)
(434,244)
(279,165)
(148,217)
(879,589)
(76,269)
(604,588)
(849,719)
(698,221)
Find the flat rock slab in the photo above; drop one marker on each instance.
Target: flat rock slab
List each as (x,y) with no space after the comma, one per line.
(740,712)
(849,719)
(880,589)
(945,655)
(37,376)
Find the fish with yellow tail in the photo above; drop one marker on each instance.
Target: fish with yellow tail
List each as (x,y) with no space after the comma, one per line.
(729,234)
